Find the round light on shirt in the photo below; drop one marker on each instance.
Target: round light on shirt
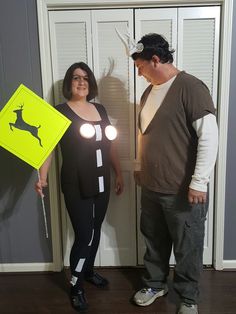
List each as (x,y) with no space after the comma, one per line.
(87,130)
(111,132)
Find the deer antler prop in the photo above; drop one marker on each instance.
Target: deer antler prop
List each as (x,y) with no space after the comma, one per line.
(130,45)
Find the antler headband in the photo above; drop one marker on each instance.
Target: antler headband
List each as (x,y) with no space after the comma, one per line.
(130,45)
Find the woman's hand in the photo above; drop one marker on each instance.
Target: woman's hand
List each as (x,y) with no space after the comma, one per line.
(119,184)
(39,186)
(43,174)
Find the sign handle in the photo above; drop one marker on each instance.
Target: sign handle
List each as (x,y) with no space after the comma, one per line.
(44,211)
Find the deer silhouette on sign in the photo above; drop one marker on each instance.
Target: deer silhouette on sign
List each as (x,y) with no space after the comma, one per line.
(24,126)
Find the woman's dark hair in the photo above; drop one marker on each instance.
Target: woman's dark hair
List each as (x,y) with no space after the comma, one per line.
(66,87)
(154,44)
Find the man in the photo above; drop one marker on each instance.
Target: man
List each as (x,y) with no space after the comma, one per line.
(178,139)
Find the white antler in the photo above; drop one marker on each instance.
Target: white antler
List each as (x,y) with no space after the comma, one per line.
(130,45)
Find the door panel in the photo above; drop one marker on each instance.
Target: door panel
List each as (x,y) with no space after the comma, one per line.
(198,54)
(197,35)
(198,48)
(114,72)
(88,36)
(70,39)
(161,21)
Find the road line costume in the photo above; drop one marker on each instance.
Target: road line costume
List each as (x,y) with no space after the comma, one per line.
(85,181)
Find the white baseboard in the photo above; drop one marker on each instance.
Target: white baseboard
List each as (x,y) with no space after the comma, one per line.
(26,267)
(229,264)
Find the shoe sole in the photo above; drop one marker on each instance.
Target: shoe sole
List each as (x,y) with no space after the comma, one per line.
(184,310)
(150,301)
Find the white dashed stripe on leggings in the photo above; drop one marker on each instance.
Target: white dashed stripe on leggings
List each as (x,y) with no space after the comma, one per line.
(73,280)
(80,265)
(90,243)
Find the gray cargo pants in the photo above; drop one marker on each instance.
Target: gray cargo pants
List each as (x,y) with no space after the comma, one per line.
(169,220)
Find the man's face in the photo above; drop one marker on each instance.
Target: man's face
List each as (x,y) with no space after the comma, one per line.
(145,68)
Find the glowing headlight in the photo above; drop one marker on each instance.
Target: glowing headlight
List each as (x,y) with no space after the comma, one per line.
(111,132)
(87,130)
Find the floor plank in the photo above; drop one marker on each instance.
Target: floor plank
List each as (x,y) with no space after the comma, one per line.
(44,293)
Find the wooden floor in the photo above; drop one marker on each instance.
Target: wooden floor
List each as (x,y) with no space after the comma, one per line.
(48,293)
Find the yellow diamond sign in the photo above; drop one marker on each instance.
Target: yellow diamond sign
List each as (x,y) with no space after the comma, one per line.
(30,128)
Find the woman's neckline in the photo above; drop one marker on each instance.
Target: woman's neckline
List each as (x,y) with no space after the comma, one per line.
(78,116)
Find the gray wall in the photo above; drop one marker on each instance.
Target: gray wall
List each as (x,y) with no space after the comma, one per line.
(230,196)
(22,235)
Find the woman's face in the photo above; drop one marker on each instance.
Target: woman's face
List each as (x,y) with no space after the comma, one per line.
(79,84)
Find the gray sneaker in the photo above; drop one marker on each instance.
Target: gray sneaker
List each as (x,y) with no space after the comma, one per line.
(147,296)
(188,309)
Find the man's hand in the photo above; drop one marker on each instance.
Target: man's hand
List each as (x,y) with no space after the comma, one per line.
(196,197)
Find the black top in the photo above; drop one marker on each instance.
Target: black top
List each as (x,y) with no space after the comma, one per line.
(79,154)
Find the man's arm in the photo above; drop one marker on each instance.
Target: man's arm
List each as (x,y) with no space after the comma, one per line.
(207,132)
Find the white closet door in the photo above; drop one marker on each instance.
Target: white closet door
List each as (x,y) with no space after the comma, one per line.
(194,34)
(70,39)
(164,22)
(198,54)
(114,71)
(90,36)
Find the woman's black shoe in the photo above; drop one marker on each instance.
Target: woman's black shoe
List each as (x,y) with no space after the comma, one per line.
(78,301)
(97,280)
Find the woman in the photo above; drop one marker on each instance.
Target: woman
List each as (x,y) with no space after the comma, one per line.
(85,175)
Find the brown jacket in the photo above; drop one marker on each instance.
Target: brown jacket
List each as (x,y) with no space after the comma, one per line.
(169,144)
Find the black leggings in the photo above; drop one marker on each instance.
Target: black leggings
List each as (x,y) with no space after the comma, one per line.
(86,217)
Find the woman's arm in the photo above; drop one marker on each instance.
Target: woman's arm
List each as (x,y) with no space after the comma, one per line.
(43,174)
(119,184)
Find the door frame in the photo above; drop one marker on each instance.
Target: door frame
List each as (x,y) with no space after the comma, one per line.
(43,6)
